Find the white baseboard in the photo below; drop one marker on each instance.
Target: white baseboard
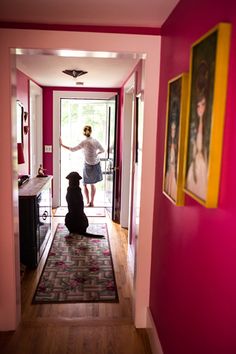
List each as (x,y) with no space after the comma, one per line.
(152,334)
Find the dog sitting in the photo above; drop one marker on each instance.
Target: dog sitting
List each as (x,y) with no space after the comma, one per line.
(76,221)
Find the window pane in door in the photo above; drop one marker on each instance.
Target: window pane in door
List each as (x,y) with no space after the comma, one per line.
(75,114)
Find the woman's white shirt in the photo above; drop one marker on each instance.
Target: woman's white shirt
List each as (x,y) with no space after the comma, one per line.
(91,148)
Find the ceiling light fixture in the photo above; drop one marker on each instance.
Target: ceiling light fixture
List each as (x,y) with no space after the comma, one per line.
(75,73)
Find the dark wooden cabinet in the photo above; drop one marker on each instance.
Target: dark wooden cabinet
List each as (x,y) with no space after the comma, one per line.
(35,219)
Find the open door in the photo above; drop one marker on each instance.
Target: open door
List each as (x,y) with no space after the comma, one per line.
(111,173)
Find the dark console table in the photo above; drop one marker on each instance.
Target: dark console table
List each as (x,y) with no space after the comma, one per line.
(35,219)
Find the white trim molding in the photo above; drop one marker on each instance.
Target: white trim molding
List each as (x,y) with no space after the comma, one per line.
(152,335)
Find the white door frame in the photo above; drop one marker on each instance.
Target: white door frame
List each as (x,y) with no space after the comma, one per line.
(57,96)
(36,127)
(96,42)
(129,96)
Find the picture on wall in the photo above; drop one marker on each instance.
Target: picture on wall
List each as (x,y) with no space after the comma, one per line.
(19,122)
(174,141)
(206,110)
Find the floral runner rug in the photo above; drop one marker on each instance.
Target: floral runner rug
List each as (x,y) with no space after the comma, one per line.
(89,211)
(78,269)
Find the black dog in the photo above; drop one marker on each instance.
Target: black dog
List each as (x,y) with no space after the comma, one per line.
(76,221)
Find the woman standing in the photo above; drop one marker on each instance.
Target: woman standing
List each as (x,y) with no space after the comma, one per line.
(92,172)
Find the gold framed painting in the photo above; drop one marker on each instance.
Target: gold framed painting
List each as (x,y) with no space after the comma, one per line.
(174,139)
(206,110)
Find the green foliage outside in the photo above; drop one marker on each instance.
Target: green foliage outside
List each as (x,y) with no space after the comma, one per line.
(76,113)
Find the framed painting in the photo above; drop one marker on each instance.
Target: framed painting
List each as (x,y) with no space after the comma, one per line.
(19,121)
(173,181)
(206,110)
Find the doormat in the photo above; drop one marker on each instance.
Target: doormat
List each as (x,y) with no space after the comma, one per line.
(91,211)
(78,269)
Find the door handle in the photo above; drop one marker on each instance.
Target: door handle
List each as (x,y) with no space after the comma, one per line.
(45,215)
(114,168)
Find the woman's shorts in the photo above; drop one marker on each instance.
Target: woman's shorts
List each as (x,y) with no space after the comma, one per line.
(92,173)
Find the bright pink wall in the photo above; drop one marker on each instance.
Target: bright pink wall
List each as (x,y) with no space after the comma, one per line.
(22,94)
(154,31)
(193,273)
(48,127)
(48,118)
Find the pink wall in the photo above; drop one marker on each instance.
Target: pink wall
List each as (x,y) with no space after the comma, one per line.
(48,127)
(22,94)
(48,118)
(193,273)
(153,31)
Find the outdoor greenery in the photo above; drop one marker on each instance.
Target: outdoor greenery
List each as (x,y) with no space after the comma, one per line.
(75,114)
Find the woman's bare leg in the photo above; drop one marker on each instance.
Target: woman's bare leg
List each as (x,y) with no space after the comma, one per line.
(86,192)
(93,192)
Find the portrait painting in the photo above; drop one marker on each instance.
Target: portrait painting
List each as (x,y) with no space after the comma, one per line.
(19,121)
(174,141)
(206,115)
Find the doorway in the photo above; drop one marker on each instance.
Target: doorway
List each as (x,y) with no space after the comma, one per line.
(75,114)
(142,44)
(75,110)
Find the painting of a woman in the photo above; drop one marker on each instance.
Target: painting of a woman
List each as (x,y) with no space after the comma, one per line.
(201,99)
(170,179)
(197,172)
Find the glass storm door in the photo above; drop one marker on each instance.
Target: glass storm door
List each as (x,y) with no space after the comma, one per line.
(75,114)
(101,115)
(111,171)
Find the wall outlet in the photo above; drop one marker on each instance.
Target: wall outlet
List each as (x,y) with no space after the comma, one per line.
(48,148)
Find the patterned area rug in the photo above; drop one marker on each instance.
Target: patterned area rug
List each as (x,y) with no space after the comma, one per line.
(95,211)
(78,269)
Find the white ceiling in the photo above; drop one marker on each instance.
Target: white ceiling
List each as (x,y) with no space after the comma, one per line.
(46,69)
(103,70)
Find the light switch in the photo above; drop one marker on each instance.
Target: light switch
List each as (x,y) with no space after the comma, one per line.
(48,148)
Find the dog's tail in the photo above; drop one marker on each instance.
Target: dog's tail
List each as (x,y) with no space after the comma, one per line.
(87,234)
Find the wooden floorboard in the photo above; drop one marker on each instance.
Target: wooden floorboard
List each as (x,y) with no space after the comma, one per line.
(85,328)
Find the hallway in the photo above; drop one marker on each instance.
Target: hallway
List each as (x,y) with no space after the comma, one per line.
(85,328)
(185,284)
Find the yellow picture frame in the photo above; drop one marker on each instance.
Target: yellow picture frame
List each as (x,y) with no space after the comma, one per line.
(176,111)
(206,110)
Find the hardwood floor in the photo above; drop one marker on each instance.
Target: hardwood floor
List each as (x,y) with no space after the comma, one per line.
(85,328)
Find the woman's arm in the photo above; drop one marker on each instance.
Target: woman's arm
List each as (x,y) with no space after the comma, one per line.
(75,148)
(61,144)
(100,148)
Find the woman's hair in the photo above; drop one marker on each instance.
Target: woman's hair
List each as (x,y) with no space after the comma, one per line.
(202,81)
(87,130)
